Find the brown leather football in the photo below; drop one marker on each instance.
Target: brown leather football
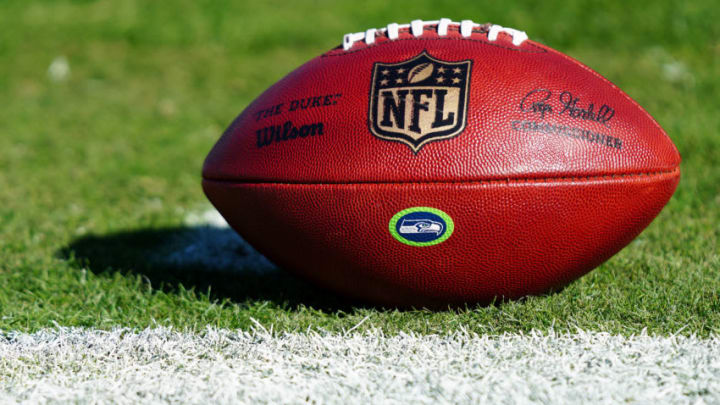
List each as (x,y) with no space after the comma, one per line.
(441,163)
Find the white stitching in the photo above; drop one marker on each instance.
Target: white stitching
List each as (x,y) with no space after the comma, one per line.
(393,31)
(418,26)
(518,37)
(370,36)
(466,27)
(443,26)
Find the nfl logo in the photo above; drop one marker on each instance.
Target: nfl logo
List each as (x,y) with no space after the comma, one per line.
(419,100)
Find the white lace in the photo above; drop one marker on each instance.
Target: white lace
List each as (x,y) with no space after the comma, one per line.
(417,27)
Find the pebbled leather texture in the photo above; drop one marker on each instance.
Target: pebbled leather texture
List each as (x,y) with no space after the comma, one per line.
(536,202)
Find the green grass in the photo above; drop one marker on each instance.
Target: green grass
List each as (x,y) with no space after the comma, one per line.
(98,170)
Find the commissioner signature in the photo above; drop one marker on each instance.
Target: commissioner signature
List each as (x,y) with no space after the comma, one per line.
(541,102)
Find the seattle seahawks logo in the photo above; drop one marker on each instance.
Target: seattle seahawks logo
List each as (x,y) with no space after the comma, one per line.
(419,100)
(421,226)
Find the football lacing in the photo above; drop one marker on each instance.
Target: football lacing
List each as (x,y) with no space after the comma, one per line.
(417,28)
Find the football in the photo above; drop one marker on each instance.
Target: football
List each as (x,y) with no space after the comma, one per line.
(439,163)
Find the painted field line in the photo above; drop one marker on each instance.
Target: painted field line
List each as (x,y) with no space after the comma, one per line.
(220,366)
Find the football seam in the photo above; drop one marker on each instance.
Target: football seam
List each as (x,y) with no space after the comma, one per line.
(675,170)
(391,41)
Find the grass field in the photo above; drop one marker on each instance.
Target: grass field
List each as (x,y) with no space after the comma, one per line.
(109,108)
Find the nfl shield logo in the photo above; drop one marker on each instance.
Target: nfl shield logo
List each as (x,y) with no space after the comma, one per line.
(420,100)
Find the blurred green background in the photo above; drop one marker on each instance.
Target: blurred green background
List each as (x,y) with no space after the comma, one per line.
(108,109)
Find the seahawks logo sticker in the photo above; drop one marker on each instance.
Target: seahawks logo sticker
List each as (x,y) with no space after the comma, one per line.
(419,100)
(421,226)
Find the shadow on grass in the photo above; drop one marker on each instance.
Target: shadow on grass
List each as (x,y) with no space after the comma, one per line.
(204,259)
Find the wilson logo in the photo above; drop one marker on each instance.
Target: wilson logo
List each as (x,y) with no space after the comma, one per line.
(421,226)
(286,132)
(420,100)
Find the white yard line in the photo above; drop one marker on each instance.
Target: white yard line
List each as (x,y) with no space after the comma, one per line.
(221,366)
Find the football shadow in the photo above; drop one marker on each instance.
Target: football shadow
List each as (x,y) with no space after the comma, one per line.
(205,259)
